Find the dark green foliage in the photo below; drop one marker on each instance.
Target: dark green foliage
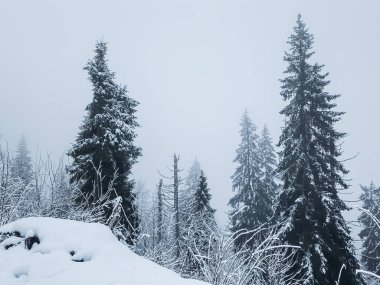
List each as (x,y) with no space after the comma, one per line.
(251,205)
(309,206)
(202,197)
(371,231)
(268,164)
(201,230)
(104,153)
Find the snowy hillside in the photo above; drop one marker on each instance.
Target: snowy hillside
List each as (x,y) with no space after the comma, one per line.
(71,252)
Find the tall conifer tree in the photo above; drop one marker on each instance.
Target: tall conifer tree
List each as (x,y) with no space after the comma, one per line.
(22,172)
(251,204)
(268,164)
(202,197)
(201,229)
(186,196)
(309,206)
(191,181)
(371,231)
(22,163)
(106,142)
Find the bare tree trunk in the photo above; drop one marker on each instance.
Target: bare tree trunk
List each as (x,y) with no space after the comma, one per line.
(160,217)
(176,208)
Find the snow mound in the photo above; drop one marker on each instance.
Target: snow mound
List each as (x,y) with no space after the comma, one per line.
(70,252)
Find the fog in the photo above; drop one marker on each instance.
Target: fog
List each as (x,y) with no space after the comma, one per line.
(194,66)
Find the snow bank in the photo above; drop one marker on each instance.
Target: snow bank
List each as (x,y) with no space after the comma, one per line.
(71,252)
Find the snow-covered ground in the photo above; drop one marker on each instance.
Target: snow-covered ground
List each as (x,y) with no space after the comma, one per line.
(73,253)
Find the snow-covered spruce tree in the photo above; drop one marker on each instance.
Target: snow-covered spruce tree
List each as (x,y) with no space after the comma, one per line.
(22,163)
(193,176)
(309,209)
(268,164)
(106,143)
(27,195)
(251,205)
(371,232)
(186,204)
(200,230)
(202,198)
(186,199)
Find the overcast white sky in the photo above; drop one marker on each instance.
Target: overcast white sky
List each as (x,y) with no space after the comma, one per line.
(194,66)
